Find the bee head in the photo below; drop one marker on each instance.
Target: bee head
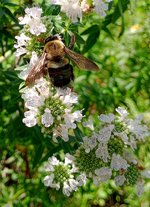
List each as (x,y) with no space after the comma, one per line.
(54,37)
(54,47)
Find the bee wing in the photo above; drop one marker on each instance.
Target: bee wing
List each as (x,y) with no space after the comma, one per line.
(81,61)
(37,71)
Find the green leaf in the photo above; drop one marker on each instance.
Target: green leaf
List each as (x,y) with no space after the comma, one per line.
(38,155)
(78,134)
(120,6)
(52,10)
(112,18)
(9,13)
(92,38)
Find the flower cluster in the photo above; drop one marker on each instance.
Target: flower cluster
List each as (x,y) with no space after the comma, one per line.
(107,155)
(63,175)
(74,8)
(34,25)
(50,108)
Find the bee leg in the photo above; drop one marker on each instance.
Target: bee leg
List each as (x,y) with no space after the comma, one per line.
(72,41)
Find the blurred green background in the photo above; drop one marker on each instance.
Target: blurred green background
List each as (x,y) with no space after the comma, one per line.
(120,45)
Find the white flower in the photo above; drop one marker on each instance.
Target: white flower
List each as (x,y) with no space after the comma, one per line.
(89,143)
(73,184)
(100,7)
(48,180)
(119,180)
(107,118)
(118,163)
(53,160)
(122,112)
(66,189)
(67,96)
(64,133)
(105,133)
(24,73)
(81,179)
(47,118)
(89,124)
(22,40)
(104,173)
(102,152)
(20,51)
(30,118)
(33,20)
(72,8)
(69,159)
(135,126)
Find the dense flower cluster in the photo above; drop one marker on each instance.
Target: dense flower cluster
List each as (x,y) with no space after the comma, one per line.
(63,175)
(107,155)
(51,108)
(74,8)
(34,25)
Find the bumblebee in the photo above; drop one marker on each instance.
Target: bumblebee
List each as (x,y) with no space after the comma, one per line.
(54,62)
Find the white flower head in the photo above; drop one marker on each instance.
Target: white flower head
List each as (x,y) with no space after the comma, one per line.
(33,20)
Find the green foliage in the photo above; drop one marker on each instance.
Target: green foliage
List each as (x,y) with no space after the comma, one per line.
(119,44)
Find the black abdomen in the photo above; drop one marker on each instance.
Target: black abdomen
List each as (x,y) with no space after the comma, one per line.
(61,76)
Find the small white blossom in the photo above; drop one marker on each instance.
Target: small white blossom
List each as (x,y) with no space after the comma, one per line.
(107,118)
(118,163)
(104,173)
(71,8)
(81,179)
(48,180)
(140,131)
(67,96)
(105,133)
(22,40)
(122,112)
(20,51)
(100,7)
(102,152)
(119,180)
(47,118)
(30,118)
(24,73)
(89,124)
